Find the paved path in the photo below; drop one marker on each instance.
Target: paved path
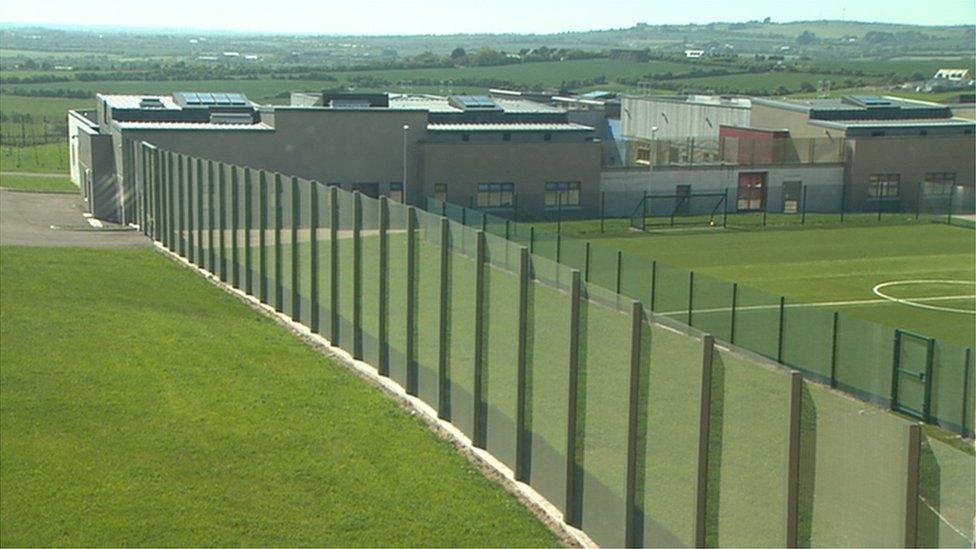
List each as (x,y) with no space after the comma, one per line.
(26,219)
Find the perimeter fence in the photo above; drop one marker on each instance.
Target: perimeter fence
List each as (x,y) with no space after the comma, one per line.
(862,358)
(640,430)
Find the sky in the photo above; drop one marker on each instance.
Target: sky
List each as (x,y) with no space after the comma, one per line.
(383,17)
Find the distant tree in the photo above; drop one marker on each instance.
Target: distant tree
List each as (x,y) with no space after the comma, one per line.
(807,87)
(458,54)
(768,20)
(806,38)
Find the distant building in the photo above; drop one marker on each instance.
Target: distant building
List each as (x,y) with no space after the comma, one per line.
(694,54)
(953,74)
(487,153)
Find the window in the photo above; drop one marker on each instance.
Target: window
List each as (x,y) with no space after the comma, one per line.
(465,137)
(878,133)
(562,193)
(547,137)
(440,192)
(396,191)
(506,137)
(883,185)
(495,195)
(939,183)
(643,153)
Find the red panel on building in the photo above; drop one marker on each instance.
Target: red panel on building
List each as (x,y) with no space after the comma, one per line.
(752,145)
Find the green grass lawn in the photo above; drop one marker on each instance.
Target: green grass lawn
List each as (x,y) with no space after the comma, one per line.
(172,414)
(38,183)
(49,158)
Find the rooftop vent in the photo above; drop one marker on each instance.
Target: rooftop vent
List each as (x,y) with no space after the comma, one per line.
(476,103)
(151,103)
(231,118)
(206,99)
(867,101)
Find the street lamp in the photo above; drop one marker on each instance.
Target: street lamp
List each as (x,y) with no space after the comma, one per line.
(405,128)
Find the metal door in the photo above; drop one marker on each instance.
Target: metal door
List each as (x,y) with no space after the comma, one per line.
(911,378)
(792,194)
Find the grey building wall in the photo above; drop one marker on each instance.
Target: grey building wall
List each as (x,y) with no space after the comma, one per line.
(97,171)
(624,188)
(676,119)
(528,165)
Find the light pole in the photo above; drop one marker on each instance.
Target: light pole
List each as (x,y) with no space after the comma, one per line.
(405,128)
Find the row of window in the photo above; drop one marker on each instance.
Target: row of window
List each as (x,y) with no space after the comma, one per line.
(502,195)
(885,185)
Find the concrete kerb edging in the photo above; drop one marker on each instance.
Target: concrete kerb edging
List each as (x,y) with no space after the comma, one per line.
(488,464)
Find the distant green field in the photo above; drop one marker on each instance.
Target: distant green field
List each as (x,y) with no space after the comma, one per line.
(50,158)
(900,67)
(37,183)
(838,265)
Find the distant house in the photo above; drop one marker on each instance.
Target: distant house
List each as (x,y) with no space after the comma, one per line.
(949,80)
(694,54)
(953,74)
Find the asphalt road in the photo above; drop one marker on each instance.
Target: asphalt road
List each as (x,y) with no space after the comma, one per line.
(26,219)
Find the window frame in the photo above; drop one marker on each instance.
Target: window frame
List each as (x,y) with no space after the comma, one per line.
(497,195)
(884,186)
(562,194)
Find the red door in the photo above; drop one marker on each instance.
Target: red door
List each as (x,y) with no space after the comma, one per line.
(752,191)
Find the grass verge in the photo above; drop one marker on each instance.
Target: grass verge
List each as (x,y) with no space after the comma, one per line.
(171,414)
(53,183)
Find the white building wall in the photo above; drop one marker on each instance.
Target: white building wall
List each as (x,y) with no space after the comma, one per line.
(675,119)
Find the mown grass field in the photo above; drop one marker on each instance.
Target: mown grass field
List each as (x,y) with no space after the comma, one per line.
(54,183)
(172,414)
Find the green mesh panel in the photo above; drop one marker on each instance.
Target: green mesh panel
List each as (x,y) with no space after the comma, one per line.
(396,280)
(757,321)
(712,306)
(947,494)
(808,339)
(500,347)
(671,292)
(370,246)
(461,325)
(864,358)
(428,305)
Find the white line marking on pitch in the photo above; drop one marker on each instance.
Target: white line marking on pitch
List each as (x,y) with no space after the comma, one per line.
(915,302)
(830,304)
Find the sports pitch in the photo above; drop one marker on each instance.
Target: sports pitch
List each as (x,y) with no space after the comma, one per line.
(920,277)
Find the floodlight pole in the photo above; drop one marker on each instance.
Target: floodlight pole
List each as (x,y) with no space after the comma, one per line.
(406,200)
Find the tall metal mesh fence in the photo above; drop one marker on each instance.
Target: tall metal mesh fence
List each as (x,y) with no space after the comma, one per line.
(611,402)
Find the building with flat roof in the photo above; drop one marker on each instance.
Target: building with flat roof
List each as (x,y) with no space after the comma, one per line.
(480,151)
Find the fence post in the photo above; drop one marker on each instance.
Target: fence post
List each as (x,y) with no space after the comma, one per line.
(880,201)
(793,460)
(180,206)
(725,208)
(248,255)
(235,227)
(211,211)
(313,242)
(653,283)
(443,374)
(222,198)
(918,199)
(357,275)
(586,262)
(912,484)
(531,240)
(843,199)
(279,259)
(559,248)
(963,427)
(833,351)
(559,213)
(480,410)
(782,319)
(691,295)
(201,259)
(573,512)
(634,498)
(411,344)
(334,267)
(191,226)
(384,349)
(952,191)
(765,202)
(157,196)
(644,212)
(296,215)
(603,208)
(523,458)
(263,235)
(735,299)
(619,264)
(803,207)
(704,422)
